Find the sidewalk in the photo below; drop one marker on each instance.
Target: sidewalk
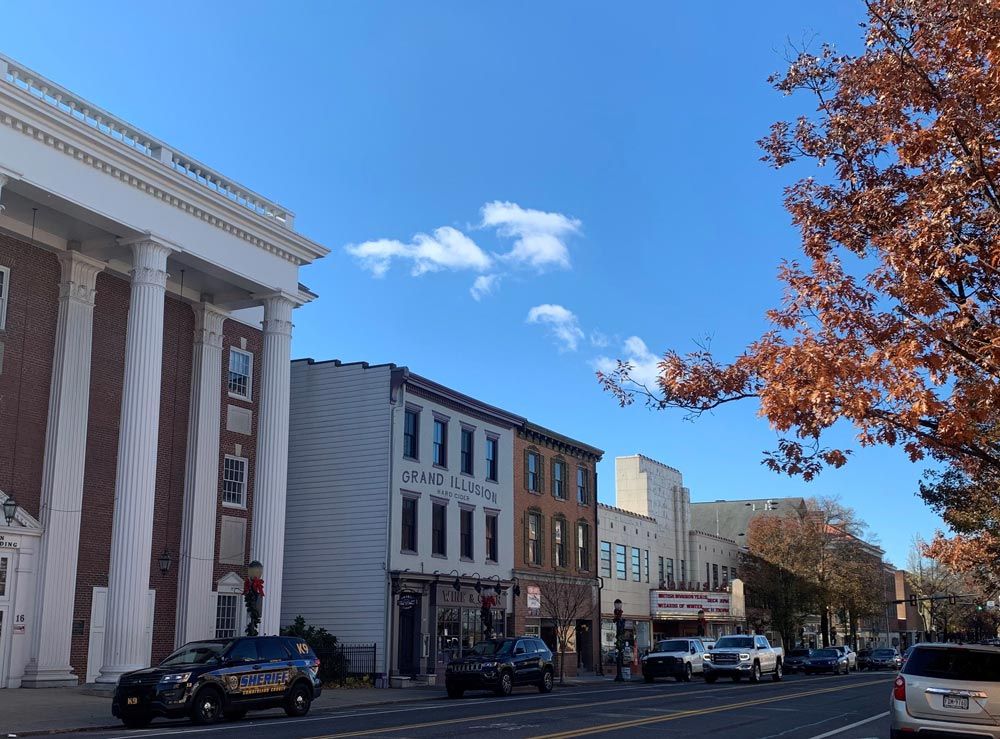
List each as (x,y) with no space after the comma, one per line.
(55,710)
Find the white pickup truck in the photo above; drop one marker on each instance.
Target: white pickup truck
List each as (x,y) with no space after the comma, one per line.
(743,655)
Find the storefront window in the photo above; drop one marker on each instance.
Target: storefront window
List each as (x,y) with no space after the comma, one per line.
(642,639)
(449,635)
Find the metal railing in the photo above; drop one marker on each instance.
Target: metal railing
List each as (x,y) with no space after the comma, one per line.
(345,661)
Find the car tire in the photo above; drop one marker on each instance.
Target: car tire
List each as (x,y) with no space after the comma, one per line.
(235,715)
(137,722)
(506,684)
(710,679)
(777,674)
(688,672)
(545,686)
(298,701)
(206,708)
(755,673)
(455,692)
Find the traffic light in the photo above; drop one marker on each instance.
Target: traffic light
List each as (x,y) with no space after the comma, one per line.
(979,608)
(951,600)
(913,600)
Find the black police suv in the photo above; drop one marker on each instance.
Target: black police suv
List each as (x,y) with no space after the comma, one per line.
(499,665)
(215,678)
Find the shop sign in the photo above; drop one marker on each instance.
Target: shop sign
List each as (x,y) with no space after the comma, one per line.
(406,602)
(8,543)
(534,600)
(687,603)
(468,597)
(458,487)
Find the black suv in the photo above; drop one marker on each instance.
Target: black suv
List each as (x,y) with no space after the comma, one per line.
(209,679)
(499,665)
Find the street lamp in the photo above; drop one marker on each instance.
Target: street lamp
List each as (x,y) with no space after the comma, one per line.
(9,509)
(619,634)
(253,594)
(600,628)
(164,561)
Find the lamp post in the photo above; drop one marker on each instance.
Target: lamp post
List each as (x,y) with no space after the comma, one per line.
(619,634)
(253,595)
(9,509)
(600,629)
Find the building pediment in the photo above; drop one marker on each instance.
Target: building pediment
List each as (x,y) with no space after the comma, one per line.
(22,523)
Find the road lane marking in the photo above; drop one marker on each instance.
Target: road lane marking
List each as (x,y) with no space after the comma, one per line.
(851,726)
(697,712)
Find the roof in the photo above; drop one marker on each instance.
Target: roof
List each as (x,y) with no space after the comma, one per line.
(730,518)
(553,436)
(624,512)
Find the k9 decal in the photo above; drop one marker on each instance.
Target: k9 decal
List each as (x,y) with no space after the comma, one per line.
(252,683)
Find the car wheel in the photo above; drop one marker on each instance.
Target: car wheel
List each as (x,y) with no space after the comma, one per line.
(137,722)
(298,701)
(236,715)
(755,673)
(710,679)
(687,672)
(455,692)
(777,675)
(206,708)
(545,686)
(506,684)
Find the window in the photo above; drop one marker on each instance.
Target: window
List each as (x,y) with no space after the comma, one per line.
(439,529)
(583,547)
(271,650)
(683,572)
(670,571)
(492,452)
(725,575)
(732,573)
(582,494)
(468,461)
(245,650)
(409,525)
(411,434)
(715,576)
(533,539)
(606,558)
(620,570)
(559,542)
(533,472)
(661,578)
(636,565)
(440,442)
(234,481)
(227,611)
(491,538)
(559,479)
(645,564)
(4,289)
(465,529)
(240,371)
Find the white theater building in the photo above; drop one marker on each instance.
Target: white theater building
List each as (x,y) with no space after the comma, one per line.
(145,325)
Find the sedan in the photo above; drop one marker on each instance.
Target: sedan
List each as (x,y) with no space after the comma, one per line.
(883,659)
(825,660)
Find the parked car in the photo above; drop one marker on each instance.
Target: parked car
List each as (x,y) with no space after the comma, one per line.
(852,656)
(215,678)
(499,665)
(676,658)
(741,656)
(795,660)
(864,659)
(830,660)
(885,658)
(947,690)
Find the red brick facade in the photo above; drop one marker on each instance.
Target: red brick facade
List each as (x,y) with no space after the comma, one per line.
(552,448)
(32,309)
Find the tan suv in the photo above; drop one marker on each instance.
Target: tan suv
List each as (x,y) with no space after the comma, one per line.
(948,689)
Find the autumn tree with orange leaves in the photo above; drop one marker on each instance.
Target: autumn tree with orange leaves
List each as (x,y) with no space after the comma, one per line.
(890,319)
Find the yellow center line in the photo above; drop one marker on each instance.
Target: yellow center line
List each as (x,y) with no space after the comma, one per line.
(633,723)
(549,709)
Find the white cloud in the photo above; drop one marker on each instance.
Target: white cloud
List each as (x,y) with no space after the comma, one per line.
(446,248)
(484,285)
(539,237)
(561,322)
(645,364)
(599,339)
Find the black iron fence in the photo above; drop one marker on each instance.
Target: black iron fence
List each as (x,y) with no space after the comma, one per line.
(345,661)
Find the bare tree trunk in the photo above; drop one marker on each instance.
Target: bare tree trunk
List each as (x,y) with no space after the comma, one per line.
(562,661)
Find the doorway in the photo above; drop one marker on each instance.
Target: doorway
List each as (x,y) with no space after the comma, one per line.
(409,638)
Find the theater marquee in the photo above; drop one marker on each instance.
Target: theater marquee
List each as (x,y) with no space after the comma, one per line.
(687,603)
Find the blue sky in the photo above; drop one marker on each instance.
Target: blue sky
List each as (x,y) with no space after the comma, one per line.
(591,157)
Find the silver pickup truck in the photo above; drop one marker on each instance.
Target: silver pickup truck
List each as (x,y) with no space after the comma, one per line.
(743,655)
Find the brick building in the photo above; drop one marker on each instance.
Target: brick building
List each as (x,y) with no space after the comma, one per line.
(145,328)
(555,543)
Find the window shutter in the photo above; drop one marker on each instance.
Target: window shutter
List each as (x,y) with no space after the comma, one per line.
(541,539)
(541,473)
(527,479)
(552,548)
(527,536)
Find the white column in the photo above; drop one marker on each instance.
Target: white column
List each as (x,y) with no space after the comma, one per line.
(267,539)
(62,475)
(135,477)
(201,478)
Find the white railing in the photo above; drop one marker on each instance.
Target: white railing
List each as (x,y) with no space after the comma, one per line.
(124,134)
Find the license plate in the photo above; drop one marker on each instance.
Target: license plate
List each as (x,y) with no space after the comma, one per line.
(956,701)
(134,701)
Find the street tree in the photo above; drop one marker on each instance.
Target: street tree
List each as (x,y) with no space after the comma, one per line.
(889,321)
(563,601)
(776,597)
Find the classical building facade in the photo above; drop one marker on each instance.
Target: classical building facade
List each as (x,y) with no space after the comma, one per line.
(145,323)
(400,513)
(555,543)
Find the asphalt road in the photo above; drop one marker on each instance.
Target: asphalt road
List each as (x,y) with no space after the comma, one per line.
(848,707)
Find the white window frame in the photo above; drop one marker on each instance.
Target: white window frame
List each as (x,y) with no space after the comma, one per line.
(224,599)
(229,365)
(242,505)
(4,293)
(231,585)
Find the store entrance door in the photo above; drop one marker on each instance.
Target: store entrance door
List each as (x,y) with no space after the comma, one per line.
(409,638)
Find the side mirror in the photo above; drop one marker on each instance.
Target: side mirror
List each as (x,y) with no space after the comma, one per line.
(693,650)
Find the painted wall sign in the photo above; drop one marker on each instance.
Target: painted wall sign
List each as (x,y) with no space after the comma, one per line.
(8,543)
(687,603)
(448,596)
(451,486)
(534,600)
